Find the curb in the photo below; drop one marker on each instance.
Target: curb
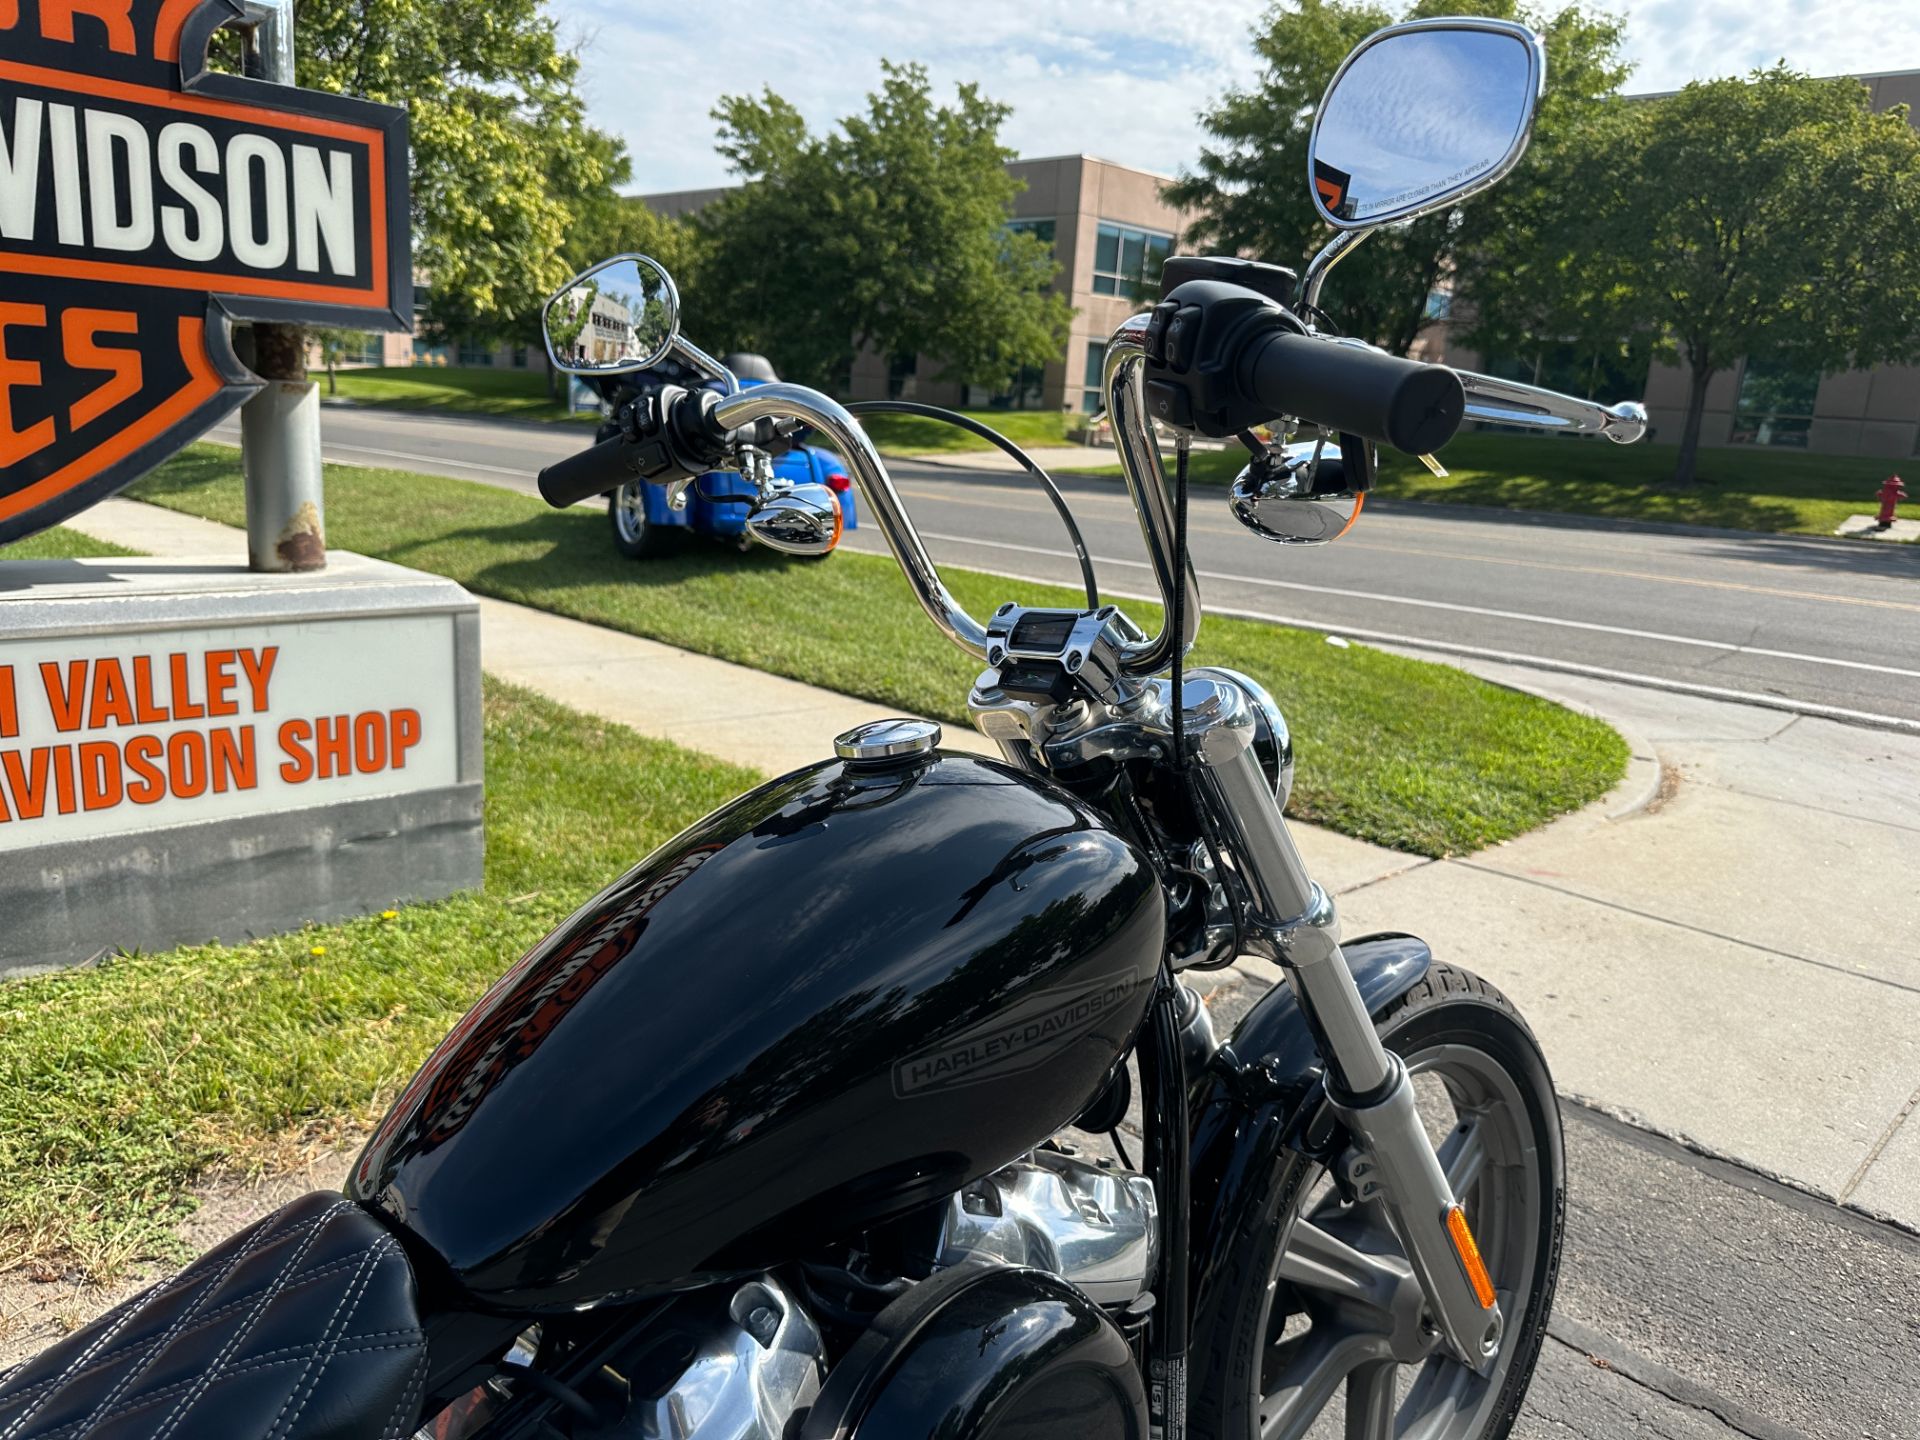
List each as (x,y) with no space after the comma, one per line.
(1647,775)
(465,417)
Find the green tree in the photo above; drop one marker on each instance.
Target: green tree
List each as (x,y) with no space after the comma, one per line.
(1532,281)
(502,156)
(334,345)
(1249,188)
(1775,217)
(889,233)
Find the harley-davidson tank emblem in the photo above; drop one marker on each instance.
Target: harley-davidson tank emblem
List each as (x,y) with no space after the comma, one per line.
(145,202)
(1029,1034)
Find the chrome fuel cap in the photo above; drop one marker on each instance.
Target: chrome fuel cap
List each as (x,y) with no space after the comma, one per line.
(881,741)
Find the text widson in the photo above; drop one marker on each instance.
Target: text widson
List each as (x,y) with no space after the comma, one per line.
(172,189)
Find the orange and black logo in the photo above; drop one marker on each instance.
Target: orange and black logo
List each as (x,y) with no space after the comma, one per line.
(145,202)
(1332,187)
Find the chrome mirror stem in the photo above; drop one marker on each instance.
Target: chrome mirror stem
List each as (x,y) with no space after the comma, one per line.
(705,364)
(1331,254)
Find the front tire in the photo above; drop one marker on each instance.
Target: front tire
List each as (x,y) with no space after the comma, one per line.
(1295,1346)
(633,536)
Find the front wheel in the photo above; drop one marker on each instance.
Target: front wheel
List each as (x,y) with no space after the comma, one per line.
(633,536)
(1329,1323)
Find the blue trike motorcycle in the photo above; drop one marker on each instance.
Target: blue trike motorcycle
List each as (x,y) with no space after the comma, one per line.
(648,521)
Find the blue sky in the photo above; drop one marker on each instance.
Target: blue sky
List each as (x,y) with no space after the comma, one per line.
(1123,79)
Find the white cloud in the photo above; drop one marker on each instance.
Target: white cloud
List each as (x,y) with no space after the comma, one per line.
(1674,41)
(1125,79)
(1119,78)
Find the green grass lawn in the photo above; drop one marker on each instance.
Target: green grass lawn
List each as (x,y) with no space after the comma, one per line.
(60,544)
(121,1084)
(522,395)
(455,389)
(916,435)
(1741,488)
(1404,753)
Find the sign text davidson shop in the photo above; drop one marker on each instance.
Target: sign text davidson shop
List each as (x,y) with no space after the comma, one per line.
(144,202)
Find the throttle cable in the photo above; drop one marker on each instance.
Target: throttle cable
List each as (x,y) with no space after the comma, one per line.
(987,432)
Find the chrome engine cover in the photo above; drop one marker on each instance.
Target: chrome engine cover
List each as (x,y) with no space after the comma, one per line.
(749,1373)
(1096,1226)
(761,1360)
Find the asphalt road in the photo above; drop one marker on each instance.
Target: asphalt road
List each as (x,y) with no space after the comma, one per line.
(1817,626)
(1698,1300)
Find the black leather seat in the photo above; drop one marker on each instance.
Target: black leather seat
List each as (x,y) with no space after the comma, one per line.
(302,1327)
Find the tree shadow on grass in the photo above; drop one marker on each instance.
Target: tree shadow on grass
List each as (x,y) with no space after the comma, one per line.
(1527,498)
(1809,553)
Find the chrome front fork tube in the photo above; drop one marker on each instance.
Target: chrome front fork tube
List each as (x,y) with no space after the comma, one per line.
(1296,925)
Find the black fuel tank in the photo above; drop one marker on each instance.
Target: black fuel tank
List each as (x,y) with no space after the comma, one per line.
(844,994)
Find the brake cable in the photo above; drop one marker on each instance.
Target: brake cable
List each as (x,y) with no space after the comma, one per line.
(987,432)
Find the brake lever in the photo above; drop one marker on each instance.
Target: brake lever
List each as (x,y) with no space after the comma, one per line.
(1508,402)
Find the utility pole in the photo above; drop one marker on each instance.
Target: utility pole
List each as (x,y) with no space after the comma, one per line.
(280,427)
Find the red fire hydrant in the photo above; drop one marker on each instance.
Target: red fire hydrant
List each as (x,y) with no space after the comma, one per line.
(1891,494)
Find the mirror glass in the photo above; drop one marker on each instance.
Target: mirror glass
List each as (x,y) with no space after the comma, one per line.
(621,315)
(1420,115)
(1296,499)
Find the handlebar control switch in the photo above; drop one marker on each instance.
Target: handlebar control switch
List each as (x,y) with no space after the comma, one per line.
(1194,343)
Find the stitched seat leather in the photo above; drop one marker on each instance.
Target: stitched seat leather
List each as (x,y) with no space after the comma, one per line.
(302,1327)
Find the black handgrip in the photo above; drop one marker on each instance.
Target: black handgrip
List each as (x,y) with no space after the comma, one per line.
(599,468)
(1411,406)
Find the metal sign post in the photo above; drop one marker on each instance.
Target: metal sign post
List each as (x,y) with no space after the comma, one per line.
(280,426)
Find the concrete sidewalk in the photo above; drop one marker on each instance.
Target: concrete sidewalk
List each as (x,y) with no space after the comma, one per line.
(1732,957)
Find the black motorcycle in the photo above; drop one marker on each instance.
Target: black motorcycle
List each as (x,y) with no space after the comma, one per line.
(769,1141)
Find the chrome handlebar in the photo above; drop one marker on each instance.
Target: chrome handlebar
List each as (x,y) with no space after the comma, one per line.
(1500,401)
(1139,460)
(1508,402)
(1122,380)
(843,434)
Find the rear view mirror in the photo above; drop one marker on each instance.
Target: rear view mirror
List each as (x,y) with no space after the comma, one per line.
(804,520)
(1307,493)
(618,317)
(1421,115)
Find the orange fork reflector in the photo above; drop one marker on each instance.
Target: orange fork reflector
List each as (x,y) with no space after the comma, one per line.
(1469,1254)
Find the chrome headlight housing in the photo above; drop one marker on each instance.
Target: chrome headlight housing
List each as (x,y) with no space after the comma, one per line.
(1272,741)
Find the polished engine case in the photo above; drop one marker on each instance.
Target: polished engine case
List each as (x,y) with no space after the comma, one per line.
(845,994)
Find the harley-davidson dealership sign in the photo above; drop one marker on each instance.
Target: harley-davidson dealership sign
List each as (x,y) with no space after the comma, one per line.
(146,201)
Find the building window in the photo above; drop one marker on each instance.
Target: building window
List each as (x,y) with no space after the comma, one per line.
(1775,405)
(1127,261)
(1439,305)
(519,357)
(1042,229)
(425,354)
(1093,399)
(474,354)
(900,374)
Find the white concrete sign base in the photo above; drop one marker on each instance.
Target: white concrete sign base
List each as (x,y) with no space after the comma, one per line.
(190,751)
